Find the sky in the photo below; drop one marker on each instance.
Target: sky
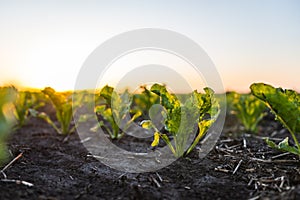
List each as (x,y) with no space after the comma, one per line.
(45,43)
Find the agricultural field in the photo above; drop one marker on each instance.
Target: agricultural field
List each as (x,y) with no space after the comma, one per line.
(257,156)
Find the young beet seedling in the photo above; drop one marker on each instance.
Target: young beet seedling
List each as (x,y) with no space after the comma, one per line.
(285,104)
(248,109)
(116,111)
(63,109)
(7,96)
(180,120)
(24,103)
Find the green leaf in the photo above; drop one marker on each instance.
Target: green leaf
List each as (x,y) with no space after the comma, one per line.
(117,110)
(172,106)
(208,106)
(45,117)
(121,107)
(100,109)
(63,108)
(181,118)
(285,104)
(136,114)
(106,92)
(7,97)
(108,116)
(56,99)
(283,146)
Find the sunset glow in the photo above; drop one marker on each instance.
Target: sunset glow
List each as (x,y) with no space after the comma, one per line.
(46,43)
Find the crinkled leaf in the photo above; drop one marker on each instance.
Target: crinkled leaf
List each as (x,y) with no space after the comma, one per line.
(181,120)
(117,110)
(106,92)
(172,106)
(209,110)
(285,104)
(121,109)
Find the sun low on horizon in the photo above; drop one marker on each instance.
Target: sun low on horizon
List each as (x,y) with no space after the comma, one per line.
(46,43)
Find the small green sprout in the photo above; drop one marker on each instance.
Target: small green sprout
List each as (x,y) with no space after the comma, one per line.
(64,111)
(116,111)
(248,109)
(7,97)
(24,103)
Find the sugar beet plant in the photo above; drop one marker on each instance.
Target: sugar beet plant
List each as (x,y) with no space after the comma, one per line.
(63,109)
(285,104)
(248,109)
(7,96)
(116,111)
(25,102)
(181,120)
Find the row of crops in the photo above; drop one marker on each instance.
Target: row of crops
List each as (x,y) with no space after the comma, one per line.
(172,119)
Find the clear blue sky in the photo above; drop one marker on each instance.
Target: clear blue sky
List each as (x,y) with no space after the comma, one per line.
(45,42)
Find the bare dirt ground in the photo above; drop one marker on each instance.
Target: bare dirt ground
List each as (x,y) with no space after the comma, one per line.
(240,166)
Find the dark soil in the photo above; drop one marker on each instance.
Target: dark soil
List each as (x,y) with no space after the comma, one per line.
(241,166)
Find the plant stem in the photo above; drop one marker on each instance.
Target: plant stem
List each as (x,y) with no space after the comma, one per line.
(288,128)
